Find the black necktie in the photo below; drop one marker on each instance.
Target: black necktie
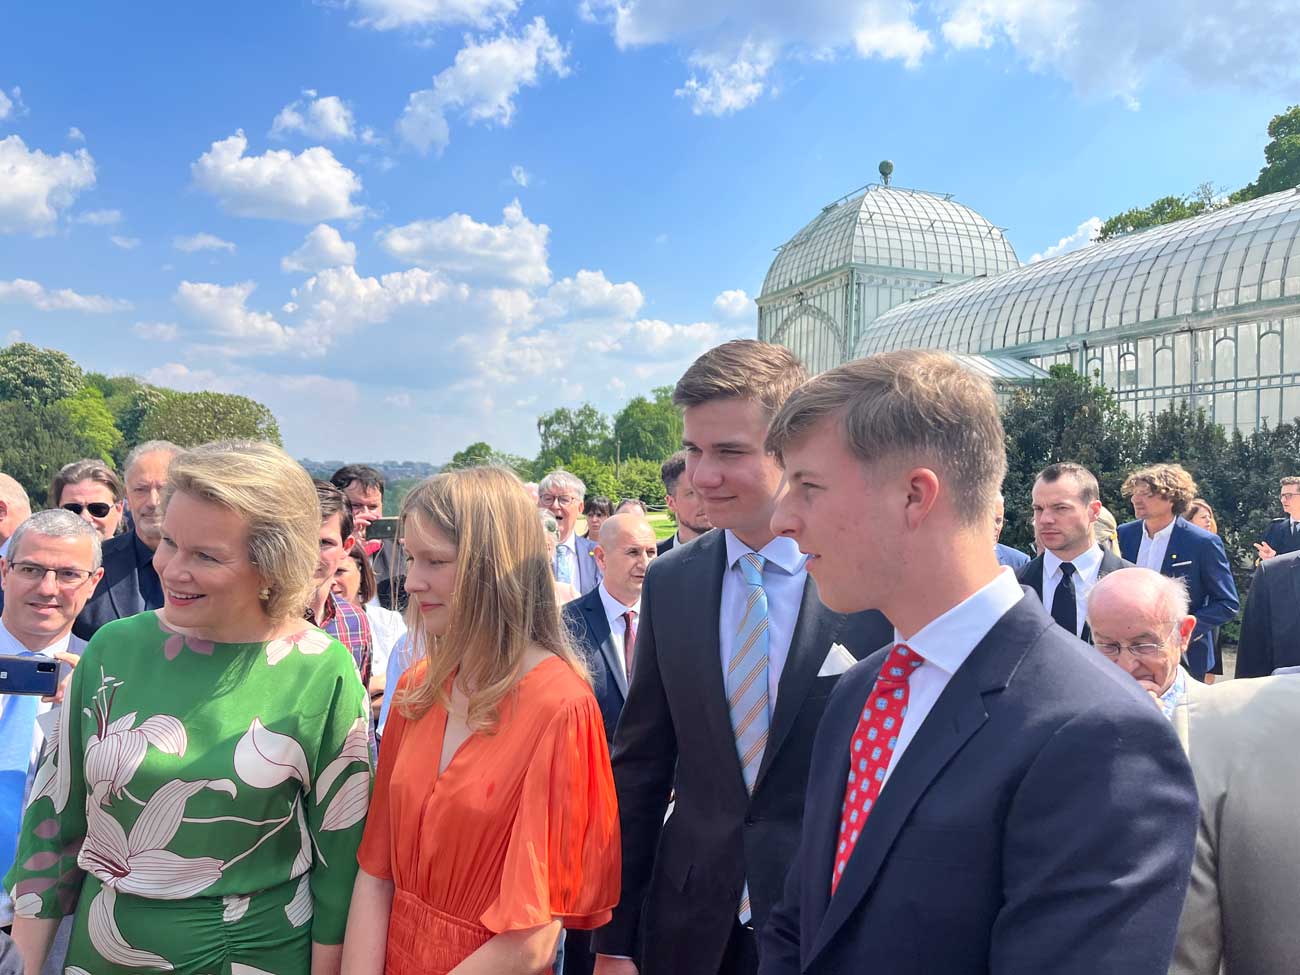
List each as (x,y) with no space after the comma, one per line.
(1063,608)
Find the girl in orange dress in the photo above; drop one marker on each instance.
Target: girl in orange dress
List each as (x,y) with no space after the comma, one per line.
(494,820)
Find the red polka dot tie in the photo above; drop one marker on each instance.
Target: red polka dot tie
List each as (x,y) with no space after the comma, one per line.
(871,748)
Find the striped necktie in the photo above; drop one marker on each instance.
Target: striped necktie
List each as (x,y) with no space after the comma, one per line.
(747,684)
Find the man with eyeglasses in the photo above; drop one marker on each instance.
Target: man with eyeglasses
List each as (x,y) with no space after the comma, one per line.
(52,567)
(1283,534)
(561,494)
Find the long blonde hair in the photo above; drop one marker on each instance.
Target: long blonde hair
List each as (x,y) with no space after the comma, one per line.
(504,600)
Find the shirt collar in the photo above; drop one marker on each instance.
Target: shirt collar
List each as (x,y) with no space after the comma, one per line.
(1171,698)
(1085,565)
(10,644)
(328,612)
(782,552)
(613,608)
(1162,533)
(948,640)
(571,541)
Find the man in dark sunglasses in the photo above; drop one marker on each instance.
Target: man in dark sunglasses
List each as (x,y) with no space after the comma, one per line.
(91,490)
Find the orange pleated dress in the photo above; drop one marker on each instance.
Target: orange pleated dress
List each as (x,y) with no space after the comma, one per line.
(521,827)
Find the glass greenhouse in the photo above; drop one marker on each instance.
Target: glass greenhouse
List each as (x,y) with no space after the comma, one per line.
(864,254)
(1206,309)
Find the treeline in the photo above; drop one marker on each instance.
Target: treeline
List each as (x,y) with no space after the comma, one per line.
(617,457)
(53,412)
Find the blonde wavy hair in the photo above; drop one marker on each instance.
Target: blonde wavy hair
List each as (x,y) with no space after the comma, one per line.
(276,499)
(504,599)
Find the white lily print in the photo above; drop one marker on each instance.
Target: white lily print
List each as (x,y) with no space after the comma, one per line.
(264,759)
(113,757)
(141,864)
(310,641)
(108,940)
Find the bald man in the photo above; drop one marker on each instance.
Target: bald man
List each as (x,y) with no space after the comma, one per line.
(15,508)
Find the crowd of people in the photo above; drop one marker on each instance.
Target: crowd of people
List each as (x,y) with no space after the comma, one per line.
(830,724)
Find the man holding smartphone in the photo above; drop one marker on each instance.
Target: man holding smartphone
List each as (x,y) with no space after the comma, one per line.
(51,569)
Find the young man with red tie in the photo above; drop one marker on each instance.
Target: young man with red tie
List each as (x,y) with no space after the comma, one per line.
(986,794)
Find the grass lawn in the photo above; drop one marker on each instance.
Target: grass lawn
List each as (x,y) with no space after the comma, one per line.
(660,521)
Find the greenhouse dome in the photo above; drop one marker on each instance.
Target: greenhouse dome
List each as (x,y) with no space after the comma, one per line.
(864,254)
(1205,310)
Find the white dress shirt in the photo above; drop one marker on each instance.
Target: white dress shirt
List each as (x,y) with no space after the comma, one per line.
(614,611)
(783,581)
(387,626)
(572,543)
(945,643)
(9,646)
(1151,553)
(1086,569)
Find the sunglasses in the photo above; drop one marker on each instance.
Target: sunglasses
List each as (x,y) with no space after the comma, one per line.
(97,509)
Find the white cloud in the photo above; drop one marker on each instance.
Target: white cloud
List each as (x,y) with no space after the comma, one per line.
(734,304)
(1083,235)
(481,84)
(98,218)
(126,243)
(521,176)
(1107,47)
(513,251)
(733,45)
(11,105)
(308,187)
(35,187)
(317,118)
(324,247)
(202,242)
(157,331)
(6,106)
(590,293)
(224,309)
(393,14)
(76,135)
(13,335)
(65,299)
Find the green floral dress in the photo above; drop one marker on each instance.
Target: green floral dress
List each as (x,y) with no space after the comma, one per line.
(200,805)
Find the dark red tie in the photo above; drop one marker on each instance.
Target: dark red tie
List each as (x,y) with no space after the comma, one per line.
(871,748)
(629,640)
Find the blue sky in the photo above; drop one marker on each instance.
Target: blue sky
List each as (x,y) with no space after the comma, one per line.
(410,224)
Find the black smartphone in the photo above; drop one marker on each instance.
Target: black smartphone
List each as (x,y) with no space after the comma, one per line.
(29,675)
(381,530)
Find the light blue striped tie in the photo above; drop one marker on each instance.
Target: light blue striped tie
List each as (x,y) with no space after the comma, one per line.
(747,684)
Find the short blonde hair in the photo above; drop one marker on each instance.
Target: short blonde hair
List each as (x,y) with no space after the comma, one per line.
(504,599)
(275,497)
(741,369)
(913,405)
(1169,481)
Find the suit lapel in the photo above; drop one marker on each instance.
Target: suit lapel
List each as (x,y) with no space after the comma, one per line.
(814,631)
(598,624)
(1178,548)
(960,711)
(1033,576)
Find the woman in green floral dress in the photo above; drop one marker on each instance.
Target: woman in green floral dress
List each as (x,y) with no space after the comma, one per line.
(203,799)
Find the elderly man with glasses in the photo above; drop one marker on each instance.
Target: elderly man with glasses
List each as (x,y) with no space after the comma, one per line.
(561,494)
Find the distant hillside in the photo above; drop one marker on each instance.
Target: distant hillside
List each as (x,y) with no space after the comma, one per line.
(393,470)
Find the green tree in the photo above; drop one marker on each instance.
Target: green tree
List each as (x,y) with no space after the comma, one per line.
(91,418)
(480,453)
(597,475)
(35,441)
(565,433)
(650,429)
(37,377)
(639,478)
(189,419)
(129,400)
(1281,158)
(1167,209)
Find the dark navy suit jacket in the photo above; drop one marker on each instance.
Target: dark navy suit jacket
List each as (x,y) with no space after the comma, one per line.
(1043,819)
(1198,558)
(1280,536)
(130,585)
(1270,627)
(585,617)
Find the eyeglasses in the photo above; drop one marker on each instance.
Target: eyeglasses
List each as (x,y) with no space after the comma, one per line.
(1292,494)
(1142,651)
(34,573)
(98,509)
(563,500)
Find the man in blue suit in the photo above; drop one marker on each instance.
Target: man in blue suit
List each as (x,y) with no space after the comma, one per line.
(561,494)
(986,794)
(1162,540)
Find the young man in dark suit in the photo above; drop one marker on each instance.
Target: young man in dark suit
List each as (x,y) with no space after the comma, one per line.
(734,660)
(1066,502)
(1283,534)
(986,795)
(1270,626)
(1162,540)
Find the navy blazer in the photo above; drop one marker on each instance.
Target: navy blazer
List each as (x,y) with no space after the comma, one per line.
(1280,536)
(585,617)
(1270,627)
(1198,558)
(130,585)
(1043,819)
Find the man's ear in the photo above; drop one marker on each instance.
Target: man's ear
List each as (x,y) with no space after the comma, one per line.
(349,542)
(1185,628)
(598,554)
